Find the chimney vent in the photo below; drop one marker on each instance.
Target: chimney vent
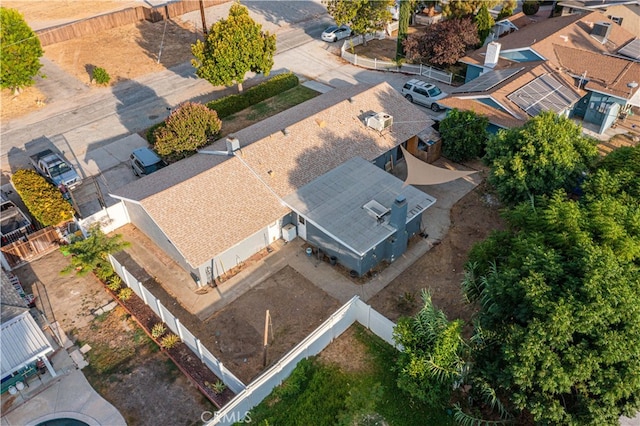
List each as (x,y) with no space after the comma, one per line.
(233,144)
(492,55)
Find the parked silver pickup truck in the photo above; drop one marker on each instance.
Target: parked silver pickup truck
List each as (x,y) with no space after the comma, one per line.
(54,168)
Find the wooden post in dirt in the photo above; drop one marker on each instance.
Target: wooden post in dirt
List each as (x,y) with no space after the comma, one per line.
(204,23)
(267,320)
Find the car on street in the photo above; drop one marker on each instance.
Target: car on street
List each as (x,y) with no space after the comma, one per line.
(144,161)
(335,33)
(423,93)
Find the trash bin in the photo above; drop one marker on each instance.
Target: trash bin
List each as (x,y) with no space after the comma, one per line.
(309,251)
(333,260)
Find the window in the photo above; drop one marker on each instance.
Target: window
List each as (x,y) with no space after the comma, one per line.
(434,91)
(616,19)
(301,220)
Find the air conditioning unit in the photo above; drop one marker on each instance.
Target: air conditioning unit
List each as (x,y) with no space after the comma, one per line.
(289,232)
(379,121)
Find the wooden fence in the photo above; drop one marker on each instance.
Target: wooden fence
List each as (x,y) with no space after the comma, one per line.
(35,244)
(119,18)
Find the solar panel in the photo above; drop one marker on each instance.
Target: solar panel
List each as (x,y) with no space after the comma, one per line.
(487,80)
(631,50)
(545,93)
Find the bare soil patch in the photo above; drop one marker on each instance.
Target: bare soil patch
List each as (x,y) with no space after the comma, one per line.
(296,307)
(42,14)
(348,352)
(11,106)
(441,269)
(126,52)
(141,381)
(384,50)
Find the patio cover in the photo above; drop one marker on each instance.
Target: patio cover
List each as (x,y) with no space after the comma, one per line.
(22,342)
(421,173)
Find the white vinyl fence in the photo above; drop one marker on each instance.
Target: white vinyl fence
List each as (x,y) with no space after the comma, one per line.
(174,325)
(375,64)
(109,219)
(354,310)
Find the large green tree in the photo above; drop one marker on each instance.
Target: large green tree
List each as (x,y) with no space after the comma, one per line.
(549,152)
(20,51)
(233,47)
(464,135)
(484,22)
(431,361)
(91,253)
(559,297)
(363,16)
(442,43)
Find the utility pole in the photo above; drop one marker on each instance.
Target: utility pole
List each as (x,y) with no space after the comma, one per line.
(204,23)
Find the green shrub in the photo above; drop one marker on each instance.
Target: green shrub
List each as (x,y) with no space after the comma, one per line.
(464,135)
(234,103)
(188,128)
(101,76)
(169,341)
(158,330)
(104,272)
(151,131)
(114,285)
(218,387)
(530,7)
(125,294)
(43,200)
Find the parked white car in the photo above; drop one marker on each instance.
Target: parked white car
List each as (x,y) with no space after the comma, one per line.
(335,33)
(423,93)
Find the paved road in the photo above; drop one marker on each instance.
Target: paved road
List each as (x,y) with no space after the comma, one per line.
(87,125)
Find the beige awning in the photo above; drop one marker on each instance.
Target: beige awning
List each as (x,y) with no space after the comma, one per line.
(421,173)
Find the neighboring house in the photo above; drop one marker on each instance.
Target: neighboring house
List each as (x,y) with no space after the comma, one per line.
(211,212)
(22,342)
(624,13)
(582,65)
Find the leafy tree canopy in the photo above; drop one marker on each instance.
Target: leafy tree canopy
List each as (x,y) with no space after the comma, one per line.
(442,43)
(363,16)
(484,22)
(20,51)
(90,254)
(560,303)
(462,8)
(189,127)
(549,152)
(233,47)
(464,135)
(431,361)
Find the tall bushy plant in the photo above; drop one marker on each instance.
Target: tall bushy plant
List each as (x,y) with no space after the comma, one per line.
(90,254)
(43,200)
(464,135)
(188,128)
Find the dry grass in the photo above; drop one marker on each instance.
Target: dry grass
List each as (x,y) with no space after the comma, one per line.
(11,106)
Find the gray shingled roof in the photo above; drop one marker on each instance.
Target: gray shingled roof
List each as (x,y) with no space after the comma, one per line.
(206,204)
(334,203)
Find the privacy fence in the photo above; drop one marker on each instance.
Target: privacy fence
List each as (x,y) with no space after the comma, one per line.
(347,54)
(176,326)
(119,18)
(352,311)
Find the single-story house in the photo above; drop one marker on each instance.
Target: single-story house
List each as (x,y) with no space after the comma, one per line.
(359,214)
(583,66)
(212,211)
(22,342)
(625,13)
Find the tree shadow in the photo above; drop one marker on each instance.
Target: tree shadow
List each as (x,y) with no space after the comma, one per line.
(166,42)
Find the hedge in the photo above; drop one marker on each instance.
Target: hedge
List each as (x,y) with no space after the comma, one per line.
(234,103)
(43,200)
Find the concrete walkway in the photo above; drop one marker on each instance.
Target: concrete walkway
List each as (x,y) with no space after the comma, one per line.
(67,396)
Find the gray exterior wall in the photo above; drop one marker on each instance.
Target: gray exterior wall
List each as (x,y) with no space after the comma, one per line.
(351,260)
(143,222)
(219,265)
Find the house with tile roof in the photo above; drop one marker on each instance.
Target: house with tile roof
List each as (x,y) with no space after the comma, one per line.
(212,211)
(583,66)
(625,13)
